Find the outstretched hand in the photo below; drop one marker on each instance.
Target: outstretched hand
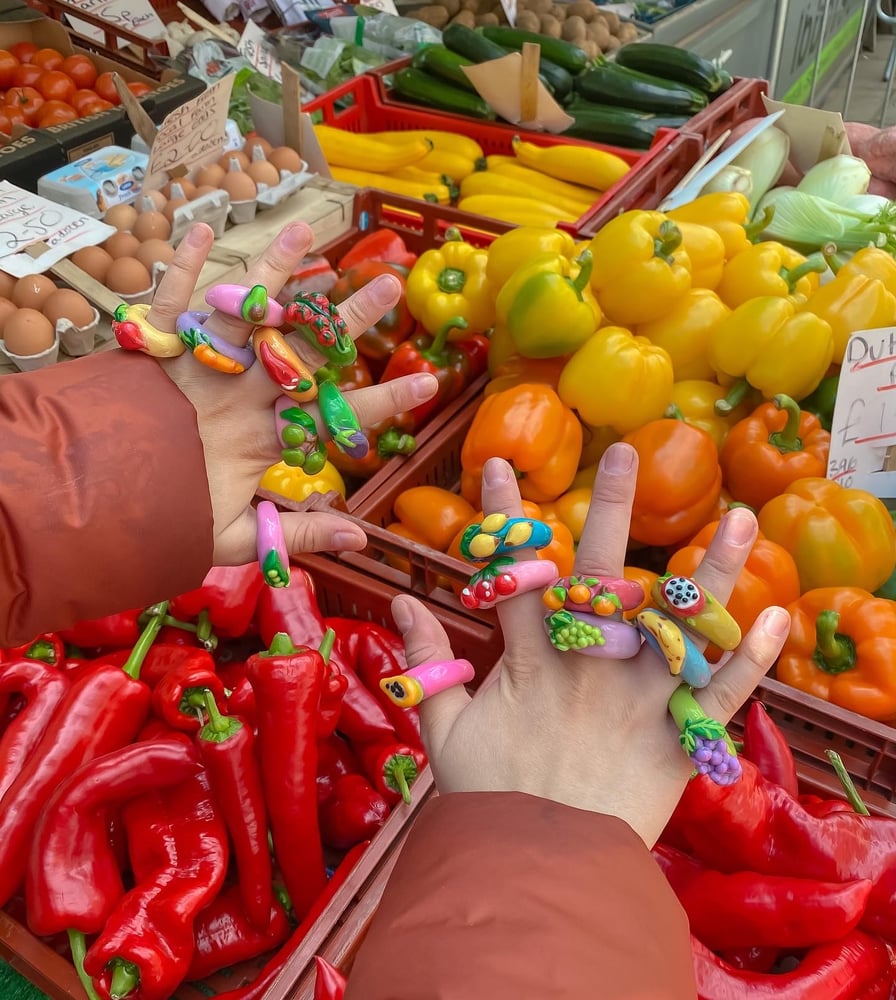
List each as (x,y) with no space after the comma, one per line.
(235,414)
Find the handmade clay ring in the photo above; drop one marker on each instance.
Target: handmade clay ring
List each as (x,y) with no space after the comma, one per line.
(665,636)
(593,636)
(134,332)
(273,559)
(282,365)
(503,578)
(340,420)
(692,605)
(498,534)
(705,740)
(313,316)
(213,351)
(297,432)
(414,685)
(249,304)
(597,595)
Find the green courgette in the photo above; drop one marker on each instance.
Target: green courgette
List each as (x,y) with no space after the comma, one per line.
(438,60)
(473,45)
(421,88)
(569,56)
(672,63)
(629,88)
(616,126)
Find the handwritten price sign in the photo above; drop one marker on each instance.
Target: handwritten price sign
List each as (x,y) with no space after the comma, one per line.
(192,134)
(255,47)
(137,16)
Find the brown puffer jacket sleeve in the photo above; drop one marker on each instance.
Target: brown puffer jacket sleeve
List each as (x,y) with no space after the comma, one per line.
(104,500)
(505,896)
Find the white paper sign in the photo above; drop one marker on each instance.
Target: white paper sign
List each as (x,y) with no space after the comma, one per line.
(192,134)
(255,47)
(386,6)
(26,219)
(137,16)
(864,422)
(510,11)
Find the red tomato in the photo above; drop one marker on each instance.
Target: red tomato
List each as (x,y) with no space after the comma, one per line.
(23,51)
(81,70)
(8,66)
(56,86)
(106,88)
(83,97)
(138,89)
(94,107)
(48,59)
(26,75)
(14,114)
(5,124)
(55,113)
(28,100)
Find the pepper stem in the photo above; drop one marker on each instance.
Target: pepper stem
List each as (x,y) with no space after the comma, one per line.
(673,412)
(395,442)
(733,398)
(281,645)
(125,979)
(400,772)
(787,439)
(326,645)
(586,264)
(134,662)
(849,788)
(813,264)
(451,279)
(202,629)
(834,653)
(754,228)
(41,650)
(436,353)
(216,721)
(78,944)
(667,241)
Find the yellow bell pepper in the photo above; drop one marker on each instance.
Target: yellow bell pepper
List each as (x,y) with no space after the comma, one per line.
(618,380)
(500,347)
(706,250)
(694,402)
(685,331)
(770,268)
(296,484)
(519,246)
(448,281)
(585,476)
(571,509)
(775,348)
(852,302)
(595,442)
(873,263)
(726,212)
(640,269)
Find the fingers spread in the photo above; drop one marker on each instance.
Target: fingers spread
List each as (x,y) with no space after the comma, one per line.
(176,287)
(601,550)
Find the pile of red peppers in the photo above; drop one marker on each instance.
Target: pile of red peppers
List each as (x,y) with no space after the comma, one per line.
(184,787)
(789,895)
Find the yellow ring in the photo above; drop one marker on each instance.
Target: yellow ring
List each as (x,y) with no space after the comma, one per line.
(151,340)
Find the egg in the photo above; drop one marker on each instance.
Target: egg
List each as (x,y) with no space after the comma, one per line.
(152,226)
(7,308)
(122,245)
(205,189)
(95,261)
(7,284)
(210,176)
(32,291)
(128,277)
(286,158)
(257,142)
(239,186)
(121,217)
(68,304)
(181,188)
(173,205)
(28,332)
(238,156)
(155,251)
(263,172)
(152,201)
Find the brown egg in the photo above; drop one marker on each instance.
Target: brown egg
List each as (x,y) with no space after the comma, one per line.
(263,172)
(128,277)
(286,158)
(257,142)
(151,201)
(211,175)
(28,332)
(7,284)
(239,186)
(121,217)
(205,189)
(181,188)
(173,205)
(238,155)
(94,260)
(7,308)
(122,245)
(152,226)
(155,251)
(32,291)
(68,304)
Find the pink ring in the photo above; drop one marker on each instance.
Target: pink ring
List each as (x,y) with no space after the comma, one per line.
(273,559)
(503,578)
(411,687)
(230,299)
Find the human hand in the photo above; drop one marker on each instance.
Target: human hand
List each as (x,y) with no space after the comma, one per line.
(235,413)
(592,733)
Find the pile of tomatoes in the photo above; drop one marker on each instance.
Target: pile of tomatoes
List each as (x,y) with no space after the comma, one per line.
(43,87)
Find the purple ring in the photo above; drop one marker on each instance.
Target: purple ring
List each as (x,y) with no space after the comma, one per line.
(192,331)
(618,639)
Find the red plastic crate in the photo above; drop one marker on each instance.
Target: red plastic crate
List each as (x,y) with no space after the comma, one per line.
(742,101)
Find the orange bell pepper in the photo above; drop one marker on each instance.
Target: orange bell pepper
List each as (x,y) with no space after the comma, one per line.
(842,649)
(432,513)
(679,481)
(838,537)
(530,427)
(647,578)
(766,451)
(516,369)
(769,577)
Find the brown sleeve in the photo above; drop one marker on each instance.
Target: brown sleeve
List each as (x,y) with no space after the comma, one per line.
(104,500)
(498,896)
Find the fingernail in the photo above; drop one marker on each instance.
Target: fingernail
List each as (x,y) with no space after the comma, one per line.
(384,290)
(348,540)
(196,235)
(495,472)
(776,623)
(738,526)
(294,237)
(618,458)
(402,615)
(424,387)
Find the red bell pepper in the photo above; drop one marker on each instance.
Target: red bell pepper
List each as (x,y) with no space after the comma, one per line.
(392,768)
(40,687)
(356,375)
(227,749)
(178,849)
(335,758)
(73,880)
(48,648)
(314,274)
(379,244)
(840,970)
(228,594)
(165,657)
(287,682)
(766,746)
(224,935)
(385,440)
(354,812)
(103,709)
(745,909)
(329,982)
(179,697)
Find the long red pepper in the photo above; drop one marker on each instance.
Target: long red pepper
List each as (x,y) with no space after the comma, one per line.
(335,758)
(287,684)
(178,849)
(766,746)
(227,749)
(102,710)
(292,609)
(168,656)
(118,631)
(392,768)
(179,697)
(228,595)
(42,687)
(48,647)
(329,982)
(362,719)
(353,813)
(751,959)
(73,882)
